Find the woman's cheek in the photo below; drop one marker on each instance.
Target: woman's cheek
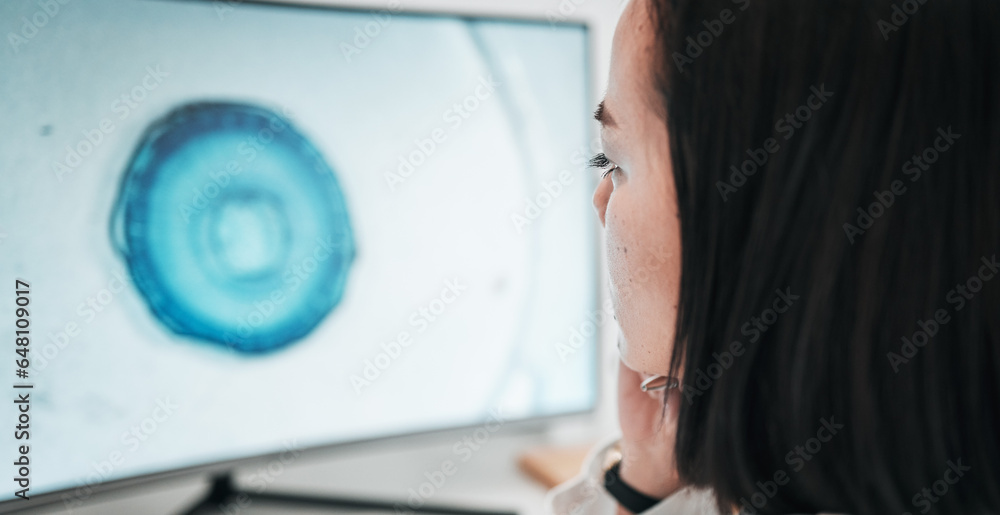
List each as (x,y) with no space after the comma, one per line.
(621,269)
(644,272)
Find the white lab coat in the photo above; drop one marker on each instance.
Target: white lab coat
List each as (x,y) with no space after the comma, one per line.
(585,493)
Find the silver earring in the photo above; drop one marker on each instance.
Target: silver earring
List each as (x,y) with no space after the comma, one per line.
(659,383)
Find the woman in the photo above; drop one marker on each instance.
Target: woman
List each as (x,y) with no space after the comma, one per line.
(801,201)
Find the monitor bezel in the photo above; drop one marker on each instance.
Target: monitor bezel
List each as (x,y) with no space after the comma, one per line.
(530,425)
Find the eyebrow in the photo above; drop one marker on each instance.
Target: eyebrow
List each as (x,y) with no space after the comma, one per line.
(603,116)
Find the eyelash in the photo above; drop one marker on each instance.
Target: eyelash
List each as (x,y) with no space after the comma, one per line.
(602,161)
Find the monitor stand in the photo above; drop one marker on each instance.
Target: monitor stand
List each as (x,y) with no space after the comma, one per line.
(226,498)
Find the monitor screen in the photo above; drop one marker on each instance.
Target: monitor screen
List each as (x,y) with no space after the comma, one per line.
(240,226)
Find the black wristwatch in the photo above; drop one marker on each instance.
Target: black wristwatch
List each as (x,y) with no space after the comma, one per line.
(628,497)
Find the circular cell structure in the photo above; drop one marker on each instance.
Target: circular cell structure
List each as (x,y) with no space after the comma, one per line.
(234,229)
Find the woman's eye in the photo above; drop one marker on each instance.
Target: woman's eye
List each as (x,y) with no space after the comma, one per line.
(602,161)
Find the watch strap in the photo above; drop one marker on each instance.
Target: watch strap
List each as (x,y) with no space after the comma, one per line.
(628,497)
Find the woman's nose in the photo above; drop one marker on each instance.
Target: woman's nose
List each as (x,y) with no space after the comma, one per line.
(601,196)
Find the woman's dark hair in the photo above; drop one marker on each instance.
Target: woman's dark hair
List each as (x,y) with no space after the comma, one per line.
(837,166)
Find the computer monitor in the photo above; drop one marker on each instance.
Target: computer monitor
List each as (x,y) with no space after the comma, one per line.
(237,225)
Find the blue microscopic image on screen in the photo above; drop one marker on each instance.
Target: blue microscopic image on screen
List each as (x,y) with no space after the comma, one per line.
(233,227)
